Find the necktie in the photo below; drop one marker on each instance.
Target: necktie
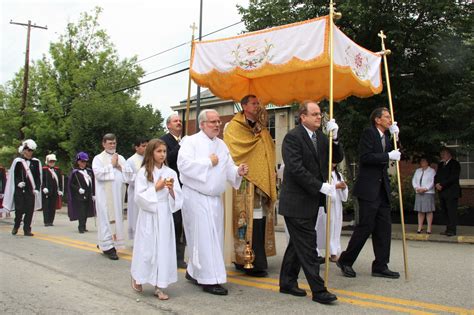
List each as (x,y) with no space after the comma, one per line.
(383,142)
(421,178)
(315,143)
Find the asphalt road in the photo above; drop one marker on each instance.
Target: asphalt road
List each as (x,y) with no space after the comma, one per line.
(59,271)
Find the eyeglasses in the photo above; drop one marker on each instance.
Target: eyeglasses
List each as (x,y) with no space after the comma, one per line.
(29,150)
(214,122)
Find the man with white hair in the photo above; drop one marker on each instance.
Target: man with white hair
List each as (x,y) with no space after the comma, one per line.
(22,192)
(205,165)
(52,189)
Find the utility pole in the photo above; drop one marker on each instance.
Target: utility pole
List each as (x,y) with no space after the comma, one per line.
(25,77)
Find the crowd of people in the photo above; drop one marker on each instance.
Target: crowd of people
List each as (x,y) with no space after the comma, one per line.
(175,188)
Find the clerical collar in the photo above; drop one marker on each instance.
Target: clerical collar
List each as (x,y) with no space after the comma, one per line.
(250,121)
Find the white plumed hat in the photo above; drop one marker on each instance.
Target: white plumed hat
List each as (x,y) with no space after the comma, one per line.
(27,144)
(51,157)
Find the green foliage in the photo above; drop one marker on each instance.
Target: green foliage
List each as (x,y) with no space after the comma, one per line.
(71,103)
(431,66)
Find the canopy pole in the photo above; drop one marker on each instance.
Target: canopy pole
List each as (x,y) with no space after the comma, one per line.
(331,100)
(400,198)
(188,101)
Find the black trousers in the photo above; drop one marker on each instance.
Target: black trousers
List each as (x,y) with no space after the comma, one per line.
(258,244)
(179,235)
(82,214)
(375,220)
(49,208)
(25,213)
(450,207)
(301,252)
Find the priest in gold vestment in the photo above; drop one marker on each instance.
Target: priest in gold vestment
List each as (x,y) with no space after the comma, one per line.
(250,142)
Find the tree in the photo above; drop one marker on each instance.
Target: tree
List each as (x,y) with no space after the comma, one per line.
(430,68)
(71,96)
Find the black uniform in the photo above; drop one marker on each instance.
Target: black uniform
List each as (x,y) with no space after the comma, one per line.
(49,199)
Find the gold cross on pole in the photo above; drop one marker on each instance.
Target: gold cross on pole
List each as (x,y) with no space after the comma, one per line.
(193,27)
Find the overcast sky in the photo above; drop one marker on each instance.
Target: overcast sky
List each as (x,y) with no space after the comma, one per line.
(138,27)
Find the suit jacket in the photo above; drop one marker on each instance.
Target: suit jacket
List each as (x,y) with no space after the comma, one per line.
(305,172)
(373,165)
(50,183)
(448,177)
(172,153)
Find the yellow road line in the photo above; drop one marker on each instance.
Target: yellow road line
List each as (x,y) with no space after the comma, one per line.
(412,303)
(272,284)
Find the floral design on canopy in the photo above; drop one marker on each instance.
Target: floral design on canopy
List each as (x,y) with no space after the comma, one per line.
(253,55)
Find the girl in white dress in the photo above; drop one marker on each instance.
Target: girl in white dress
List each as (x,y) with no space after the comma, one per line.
(157,196)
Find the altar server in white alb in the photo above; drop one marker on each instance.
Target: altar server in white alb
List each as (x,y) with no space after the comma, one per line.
(335,223)
(205,165)
(157,196)
(134,162)
(111,173)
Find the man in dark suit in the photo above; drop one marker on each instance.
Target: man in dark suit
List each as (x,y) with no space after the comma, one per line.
(172,139)
(22,192)
(372,188)
(449,191)
(303,190)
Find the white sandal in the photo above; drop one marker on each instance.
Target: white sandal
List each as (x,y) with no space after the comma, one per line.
(136,287)
(160,294)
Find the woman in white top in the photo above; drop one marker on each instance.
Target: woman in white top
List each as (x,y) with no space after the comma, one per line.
(423,183)
(157,196)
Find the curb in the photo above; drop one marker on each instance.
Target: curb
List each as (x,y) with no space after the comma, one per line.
(460,239)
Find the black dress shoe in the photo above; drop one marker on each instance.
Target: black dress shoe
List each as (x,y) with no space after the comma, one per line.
(81,231)
(215,289)
(86,230)
(293,291)
(320,260)
(324,297)
(239,267)
(14,231)
(111,253)
(182,264)
(387,273)
(191,279)
(28,234)
(448,233)
(347,271)
(256,273)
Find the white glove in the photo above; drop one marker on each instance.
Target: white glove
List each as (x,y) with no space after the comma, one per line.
(45,190)
(60,193)
(36,192)
(81,191)
(328,190)
(93,198)
(1,196)
(332,126)
(394,130)
(394,155)
(21,184)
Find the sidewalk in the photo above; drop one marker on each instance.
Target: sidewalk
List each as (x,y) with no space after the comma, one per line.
(465,234)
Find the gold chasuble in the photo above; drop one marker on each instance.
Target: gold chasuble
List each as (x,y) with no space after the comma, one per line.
(253,146)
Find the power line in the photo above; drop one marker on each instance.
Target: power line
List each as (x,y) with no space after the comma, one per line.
(186,43)
(158,70)
(144,82)
(166,50)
